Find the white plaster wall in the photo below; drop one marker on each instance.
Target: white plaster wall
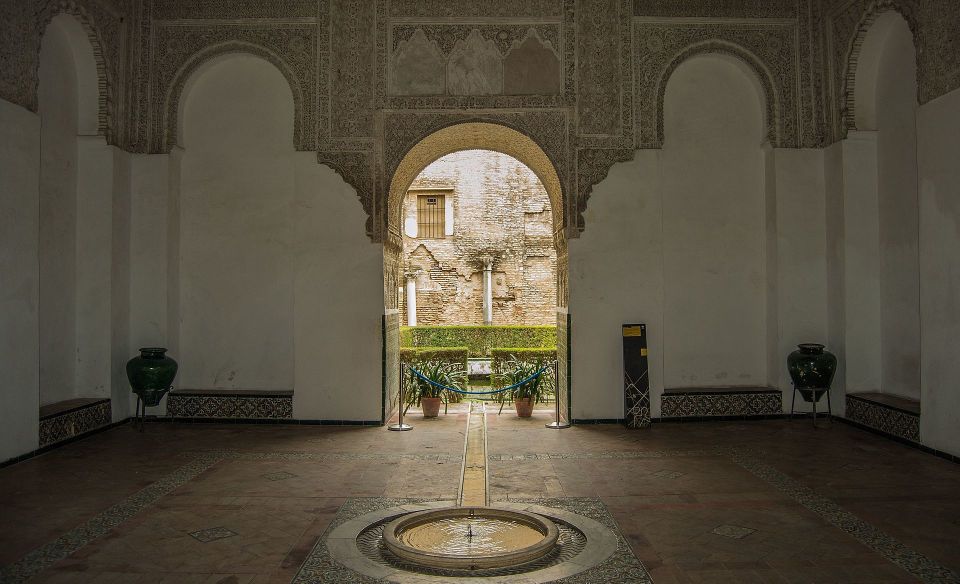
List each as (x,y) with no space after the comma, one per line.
(896,108)
(337,300)
(938,129)
(835,258)
(714,323)
(236,214)
(802,283)
(616,277)
(862,282)
(19,279)
(119,230)
(58,217)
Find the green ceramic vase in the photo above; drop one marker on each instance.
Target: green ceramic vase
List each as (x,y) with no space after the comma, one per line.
(811,369)
(151,374)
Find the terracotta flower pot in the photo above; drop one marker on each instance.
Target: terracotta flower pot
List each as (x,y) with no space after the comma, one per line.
(431,406)
(524,407)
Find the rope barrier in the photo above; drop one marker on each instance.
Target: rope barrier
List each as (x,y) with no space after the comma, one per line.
(460,391)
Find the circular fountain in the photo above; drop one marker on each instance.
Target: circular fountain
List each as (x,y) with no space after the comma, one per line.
(435,542)
(470,537)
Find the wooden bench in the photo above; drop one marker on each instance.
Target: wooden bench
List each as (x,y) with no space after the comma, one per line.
(63,420)
(890,414)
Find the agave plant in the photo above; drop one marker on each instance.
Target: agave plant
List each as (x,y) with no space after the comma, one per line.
(438,372)
(515,371)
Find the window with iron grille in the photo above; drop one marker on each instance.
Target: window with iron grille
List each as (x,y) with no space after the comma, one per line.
(431,214)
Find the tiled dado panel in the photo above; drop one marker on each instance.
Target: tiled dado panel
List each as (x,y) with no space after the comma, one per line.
(883,417)
(59,422)
(230,405)
(698,404)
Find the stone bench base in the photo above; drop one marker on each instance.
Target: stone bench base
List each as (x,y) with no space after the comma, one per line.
(891,414)
(720,402)
(68,419)
(230,404)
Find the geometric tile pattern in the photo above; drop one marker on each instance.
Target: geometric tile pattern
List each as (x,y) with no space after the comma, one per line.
(212,534)
(885,418)
(733,403)
(66,425)
(733,531)
(922,567)
(45,556)
(621,567)
(245,407)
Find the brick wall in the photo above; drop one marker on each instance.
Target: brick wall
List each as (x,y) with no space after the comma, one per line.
(500,209)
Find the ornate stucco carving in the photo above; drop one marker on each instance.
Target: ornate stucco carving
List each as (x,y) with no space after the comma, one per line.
(613,57)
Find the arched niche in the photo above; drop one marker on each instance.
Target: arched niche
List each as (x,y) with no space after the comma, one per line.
(888,31)
(747,62)
(882,20)
(715,227)
(171,124)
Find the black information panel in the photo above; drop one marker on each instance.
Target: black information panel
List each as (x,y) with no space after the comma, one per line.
(636,382)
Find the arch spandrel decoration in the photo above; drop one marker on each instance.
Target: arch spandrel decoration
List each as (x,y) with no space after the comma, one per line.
(174,94)
(848,114)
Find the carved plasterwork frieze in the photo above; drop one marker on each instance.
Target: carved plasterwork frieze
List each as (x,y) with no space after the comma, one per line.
(603,60)
(352,69)
(22,26)
(475,59)
(180,49)
(593,165)
(357,169)
(716,8)
(767,48)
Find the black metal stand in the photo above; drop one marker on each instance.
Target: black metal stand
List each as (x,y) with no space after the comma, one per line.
(400,426)
(558,423)
(814,401)
(140,413)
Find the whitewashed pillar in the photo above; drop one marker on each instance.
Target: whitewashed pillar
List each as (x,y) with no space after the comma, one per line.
(411,300)
(488,290)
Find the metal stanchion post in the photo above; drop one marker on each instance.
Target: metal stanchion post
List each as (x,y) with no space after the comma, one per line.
(557,424)
(400,426)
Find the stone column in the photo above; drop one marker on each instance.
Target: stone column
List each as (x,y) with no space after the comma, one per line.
(487,290)
(411,300)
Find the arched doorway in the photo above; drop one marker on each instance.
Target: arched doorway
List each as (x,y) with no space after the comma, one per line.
(447,140)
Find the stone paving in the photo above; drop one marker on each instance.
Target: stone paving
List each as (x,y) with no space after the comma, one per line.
(751,501)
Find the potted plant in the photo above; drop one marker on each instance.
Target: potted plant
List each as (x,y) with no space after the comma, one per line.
(525,395)
(425,390)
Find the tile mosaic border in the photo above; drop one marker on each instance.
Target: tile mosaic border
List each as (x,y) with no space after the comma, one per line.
(74,422)
(885,418)
(194,404)
(47,555)
(731,403)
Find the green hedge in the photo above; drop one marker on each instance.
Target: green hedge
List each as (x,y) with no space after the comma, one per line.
(479,339)
(443,354)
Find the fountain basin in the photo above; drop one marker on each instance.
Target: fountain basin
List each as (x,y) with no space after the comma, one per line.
(470,538)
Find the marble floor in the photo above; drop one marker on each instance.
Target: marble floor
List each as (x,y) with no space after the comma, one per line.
(757,501)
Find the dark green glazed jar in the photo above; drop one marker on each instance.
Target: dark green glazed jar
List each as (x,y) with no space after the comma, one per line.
(151,374)
(811,369)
